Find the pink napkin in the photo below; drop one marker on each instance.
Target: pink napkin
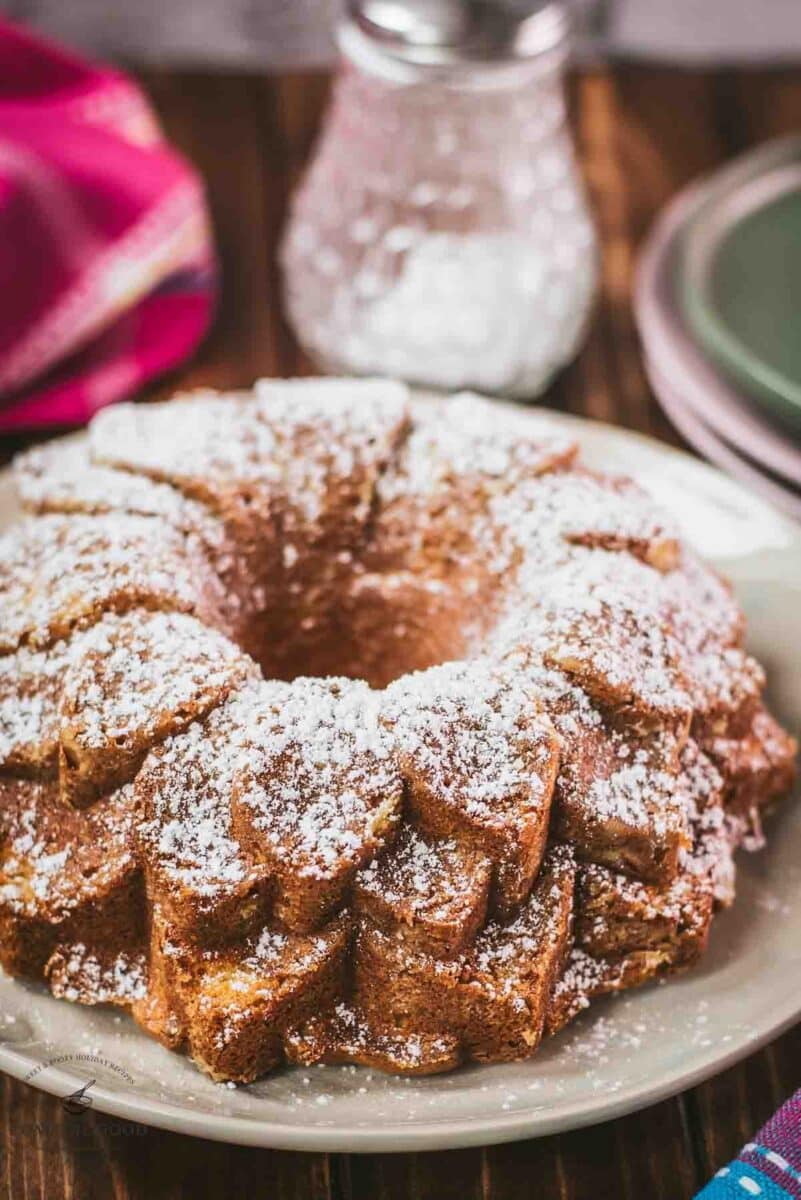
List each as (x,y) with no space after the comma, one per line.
(106,265)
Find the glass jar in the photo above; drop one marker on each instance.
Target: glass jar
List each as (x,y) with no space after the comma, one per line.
(441,233)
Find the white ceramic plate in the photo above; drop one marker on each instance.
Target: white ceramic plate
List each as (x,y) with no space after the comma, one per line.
(623,1054)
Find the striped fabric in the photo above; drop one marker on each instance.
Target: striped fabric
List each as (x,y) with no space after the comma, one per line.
(106,267)
(770,1166)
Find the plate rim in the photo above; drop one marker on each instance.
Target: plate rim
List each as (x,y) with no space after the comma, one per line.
(667,340)
(447,1133)
(722,209)
(720,453)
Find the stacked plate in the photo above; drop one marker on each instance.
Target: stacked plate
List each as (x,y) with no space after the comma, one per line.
(718,305)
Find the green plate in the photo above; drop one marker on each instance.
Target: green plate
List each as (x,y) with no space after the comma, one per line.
(739,281)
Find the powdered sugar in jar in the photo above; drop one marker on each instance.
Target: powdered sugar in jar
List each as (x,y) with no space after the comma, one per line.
(441,232)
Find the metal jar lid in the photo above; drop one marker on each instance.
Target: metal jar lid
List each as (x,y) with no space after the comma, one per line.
(452,32)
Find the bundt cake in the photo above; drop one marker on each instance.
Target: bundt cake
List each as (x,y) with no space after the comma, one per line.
(340,726)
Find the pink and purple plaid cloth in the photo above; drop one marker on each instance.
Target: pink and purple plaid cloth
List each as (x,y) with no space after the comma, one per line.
(106,263)
(769,1167)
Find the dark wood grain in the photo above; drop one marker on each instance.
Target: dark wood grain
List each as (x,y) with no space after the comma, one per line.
(642,133)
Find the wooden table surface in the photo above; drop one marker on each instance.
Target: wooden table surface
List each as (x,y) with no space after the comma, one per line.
(642,132)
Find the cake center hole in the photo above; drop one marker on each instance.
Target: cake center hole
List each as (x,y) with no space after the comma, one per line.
(378,630)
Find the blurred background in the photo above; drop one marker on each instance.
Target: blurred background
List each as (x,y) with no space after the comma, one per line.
(275,34)
(252,196)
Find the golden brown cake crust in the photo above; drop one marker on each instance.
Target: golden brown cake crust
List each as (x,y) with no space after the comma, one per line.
(340,727)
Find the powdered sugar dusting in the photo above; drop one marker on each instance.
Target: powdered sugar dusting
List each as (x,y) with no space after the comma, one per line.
(321,786)
(53,859)
(186,786)
(466,439)
(477,735)
(30,688)
(204,442)
(131,674)
(61,477)
(75,972)
(604,702)
(57,572)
